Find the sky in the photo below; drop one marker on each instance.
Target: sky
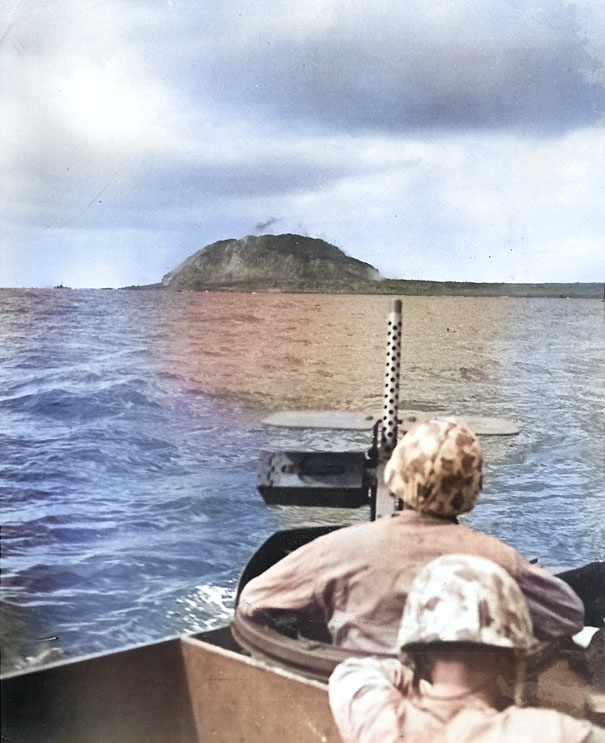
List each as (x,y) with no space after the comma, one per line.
(442,140)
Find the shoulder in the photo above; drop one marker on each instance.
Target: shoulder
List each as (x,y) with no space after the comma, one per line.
(327,552)
(367,697)
(487,545)
(353,534)
(529,723)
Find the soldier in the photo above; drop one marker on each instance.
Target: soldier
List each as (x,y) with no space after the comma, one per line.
(355,580)
(464,635)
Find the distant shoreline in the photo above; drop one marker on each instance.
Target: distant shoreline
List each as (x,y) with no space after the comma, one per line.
(391,287)
(410,287)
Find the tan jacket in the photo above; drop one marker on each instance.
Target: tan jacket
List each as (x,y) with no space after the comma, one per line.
(372,702)
(357,578)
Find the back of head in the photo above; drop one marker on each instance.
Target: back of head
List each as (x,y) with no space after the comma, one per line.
(436,468)
(465,599)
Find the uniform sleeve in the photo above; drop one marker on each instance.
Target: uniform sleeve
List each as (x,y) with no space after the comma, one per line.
(367,699)
(555,609)
(287,585)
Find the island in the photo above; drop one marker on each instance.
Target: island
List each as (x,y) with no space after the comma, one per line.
(301,264)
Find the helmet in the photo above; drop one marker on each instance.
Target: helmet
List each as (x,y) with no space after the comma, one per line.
(436,467)
(465,598)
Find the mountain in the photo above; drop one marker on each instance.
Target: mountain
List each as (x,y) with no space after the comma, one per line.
(293,263)
(273,263)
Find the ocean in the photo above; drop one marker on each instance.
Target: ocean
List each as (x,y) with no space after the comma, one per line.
(132,425)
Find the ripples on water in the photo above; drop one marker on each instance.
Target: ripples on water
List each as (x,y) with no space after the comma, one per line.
(132,427)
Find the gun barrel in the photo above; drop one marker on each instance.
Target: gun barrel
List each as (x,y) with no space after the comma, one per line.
(391,382)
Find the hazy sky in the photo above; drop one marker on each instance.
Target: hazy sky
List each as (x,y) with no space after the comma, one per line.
(435,139)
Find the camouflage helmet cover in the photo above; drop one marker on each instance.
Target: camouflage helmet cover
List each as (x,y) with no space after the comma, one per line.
(436,467)
(465,598)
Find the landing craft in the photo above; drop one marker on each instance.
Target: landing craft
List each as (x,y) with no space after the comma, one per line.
(254,684)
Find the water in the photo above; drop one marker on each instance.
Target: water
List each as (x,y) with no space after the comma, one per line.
(131,427)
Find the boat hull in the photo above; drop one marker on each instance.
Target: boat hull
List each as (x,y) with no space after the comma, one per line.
(201,689)
(187,689)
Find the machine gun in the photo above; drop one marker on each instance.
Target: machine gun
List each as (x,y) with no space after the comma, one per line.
(348,479)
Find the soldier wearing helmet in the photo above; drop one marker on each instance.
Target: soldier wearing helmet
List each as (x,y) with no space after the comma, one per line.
(463,637)
(437,468)
(356,580)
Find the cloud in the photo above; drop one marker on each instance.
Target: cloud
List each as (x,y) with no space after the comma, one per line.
(398,66)
(435,140)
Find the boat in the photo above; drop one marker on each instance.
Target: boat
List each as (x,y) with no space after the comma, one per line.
(243,682)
